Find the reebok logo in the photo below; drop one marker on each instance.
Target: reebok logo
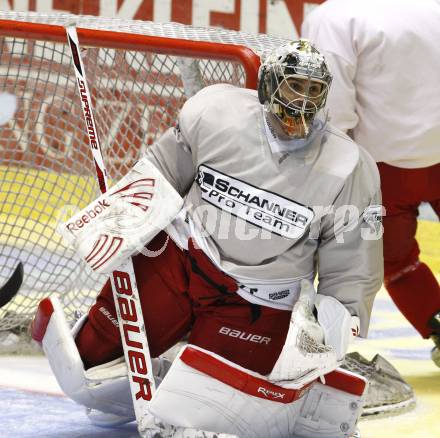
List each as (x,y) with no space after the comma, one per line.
(138,193)
(87,215)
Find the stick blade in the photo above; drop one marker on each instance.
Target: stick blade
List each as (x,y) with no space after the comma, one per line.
(12,286)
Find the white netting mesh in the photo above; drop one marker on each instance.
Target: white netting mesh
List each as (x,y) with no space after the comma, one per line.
(308,344)
(260,43)
(45,158)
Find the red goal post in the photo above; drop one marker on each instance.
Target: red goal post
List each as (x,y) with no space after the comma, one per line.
(126,41)
(135,77)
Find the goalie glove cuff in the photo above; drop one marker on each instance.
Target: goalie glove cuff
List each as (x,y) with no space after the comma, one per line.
(305,355)
(336,323)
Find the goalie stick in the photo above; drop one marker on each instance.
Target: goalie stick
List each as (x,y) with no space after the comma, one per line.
(12,286)
(123,280)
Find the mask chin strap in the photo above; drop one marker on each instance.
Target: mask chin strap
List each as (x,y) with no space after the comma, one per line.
(306,128)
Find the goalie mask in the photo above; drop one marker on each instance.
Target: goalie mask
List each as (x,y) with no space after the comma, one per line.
(293,84)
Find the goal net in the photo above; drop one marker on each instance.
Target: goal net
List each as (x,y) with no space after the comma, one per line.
(138,84)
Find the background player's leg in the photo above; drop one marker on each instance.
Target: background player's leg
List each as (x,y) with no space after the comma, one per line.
(410,283)
(434,322)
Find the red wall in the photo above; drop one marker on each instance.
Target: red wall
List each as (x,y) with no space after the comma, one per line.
(250,15)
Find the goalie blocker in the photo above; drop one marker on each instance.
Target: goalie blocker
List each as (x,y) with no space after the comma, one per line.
(201,391)
(124,219)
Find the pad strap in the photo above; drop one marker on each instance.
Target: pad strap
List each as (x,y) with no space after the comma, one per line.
(238,379)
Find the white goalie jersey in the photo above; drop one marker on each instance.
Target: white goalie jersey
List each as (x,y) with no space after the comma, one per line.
(270,218)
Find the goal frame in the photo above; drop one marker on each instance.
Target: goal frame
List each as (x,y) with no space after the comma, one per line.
(130,41)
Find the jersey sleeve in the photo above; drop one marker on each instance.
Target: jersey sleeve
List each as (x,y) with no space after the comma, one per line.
(350,258)
(172,156)
(175,153)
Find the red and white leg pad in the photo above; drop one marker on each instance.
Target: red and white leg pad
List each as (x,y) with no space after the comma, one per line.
(104,387)
(205,391)
(332,410)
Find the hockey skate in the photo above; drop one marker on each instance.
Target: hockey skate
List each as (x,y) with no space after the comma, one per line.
(388,393)
(434,323)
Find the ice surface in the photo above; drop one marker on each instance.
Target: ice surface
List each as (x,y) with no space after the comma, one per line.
(26,414)
(32,405)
